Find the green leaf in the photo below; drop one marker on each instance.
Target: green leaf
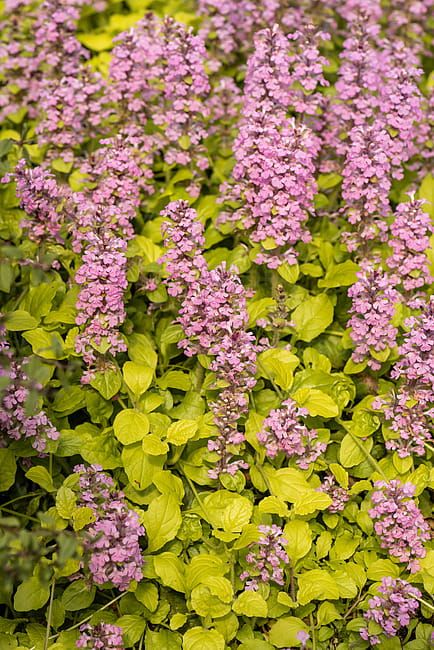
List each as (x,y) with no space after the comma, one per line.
(8,466)
(65,502)
(162,521)
(382,569)
(48,345)
(133,627)
(205,603)
(350,453)
(20,320)
(164,639)
(289,272)
(107,383)
(69,399)
(181,431)
(197,638)
(426,191)
(147,594)
(228,510)
(96,42)
(138,377)
(41,476)
(316,402)
(327,181)
(339,275)
(311,500)
(278,365)
(284,632)
(31,594)
(202,567)
(170,570)
(299,539)
(312,317)
(250,603)
(140,467)
(130,426)
(344,547)
(287,483)
(316,585)
(78,596)
(327,613)
(151,444)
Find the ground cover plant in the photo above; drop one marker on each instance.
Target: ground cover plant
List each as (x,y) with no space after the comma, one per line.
(217,324)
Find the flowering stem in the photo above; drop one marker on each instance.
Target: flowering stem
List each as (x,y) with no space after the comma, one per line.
(429,447)
(198,499)
(19,514)
(312,627)
(23,496)
(85,620)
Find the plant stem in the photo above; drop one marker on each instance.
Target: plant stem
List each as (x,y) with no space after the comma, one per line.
(20,514)
(424,602)
(368,456)
(312,628)
(49,614)
(198,498)
(23,496)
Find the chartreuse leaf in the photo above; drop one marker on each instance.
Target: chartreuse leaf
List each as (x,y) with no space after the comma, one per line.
(203,566)
(285,631)
(41,476)
(197,638)
(426,192)
(107,383)
(162,640)
(250,603)
(141,467)
(228,510)
(147,594)
(299,539)
(339,275)
(287,483)
(20,320)
(316,402)
(65,502)
(181,431)
(8,469)
(317,584)
(311,500)
(137,376)
(278,365)
(133,627)
(48,345)
(171,571)
(31,594)
(162,521)
(350,453)
(312,317)
(205,603)
(78,595)
(130,426)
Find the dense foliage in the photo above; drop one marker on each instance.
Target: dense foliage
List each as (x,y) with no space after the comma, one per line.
(217,324)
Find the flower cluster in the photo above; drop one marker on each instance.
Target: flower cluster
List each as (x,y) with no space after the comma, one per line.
(374,298)
(231,24)
(267,558)
(19,419)
(394,608)
(273,178)
(111,543)
(213,316)
(416,364)
(102,636)
(102,226)
(158,73)
(409,241)
(409,420)
(338,494)
(43,200)
(282,431)
(398,522)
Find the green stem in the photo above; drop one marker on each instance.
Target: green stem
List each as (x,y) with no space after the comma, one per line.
(85,620)
(265,477)
(368,456)
(312,629)
(429,447)
(333,333)
(49,614)
(122,403)
(20,514)
(23,496)
(424,602)
(198,499)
